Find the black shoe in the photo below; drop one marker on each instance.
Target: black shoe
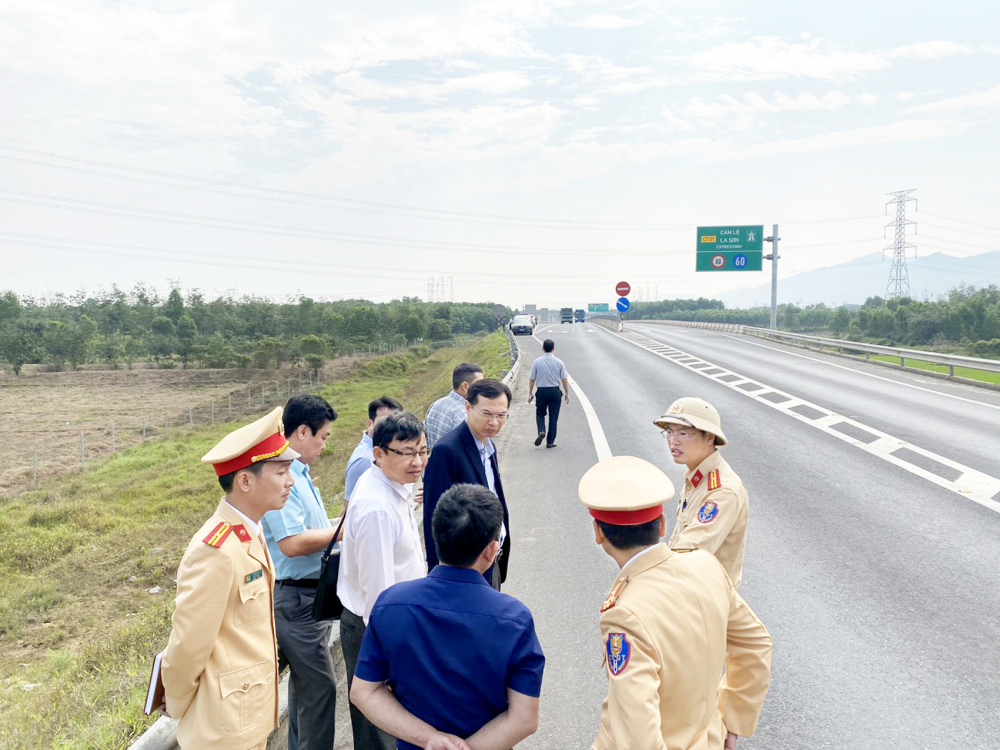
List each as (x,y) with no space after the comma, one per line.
(540,438)
(550,445)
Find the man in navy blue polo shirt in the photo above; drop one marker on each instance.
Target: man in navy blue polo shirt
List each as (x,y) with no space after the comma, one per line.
(448,662)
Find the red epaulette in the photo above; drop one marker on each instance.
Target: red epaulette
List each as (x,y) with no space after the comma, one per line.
(714,482)
(218,535)
(612,599)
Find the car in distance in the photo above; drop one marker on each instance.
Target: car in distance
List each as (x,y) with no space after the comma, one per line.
(522,324)
(580,316)
(566,315)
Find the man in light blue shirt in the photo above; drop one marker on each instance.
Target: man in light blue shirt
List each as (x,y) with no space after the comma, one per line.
(361,460)
(296,537)
(547,372)
(448,412)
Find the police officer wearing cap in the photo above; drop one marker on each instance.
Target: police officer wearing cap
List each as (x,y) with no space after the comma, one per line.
(220,667)
(712,511)
(672,622)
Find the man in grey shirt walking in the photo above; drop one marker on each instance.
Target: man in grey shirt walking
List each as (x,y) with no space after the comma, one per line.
(547,372)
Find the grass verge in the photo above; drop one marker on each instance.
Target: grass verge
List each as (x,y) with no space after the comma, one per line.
(78,624)
(961,372)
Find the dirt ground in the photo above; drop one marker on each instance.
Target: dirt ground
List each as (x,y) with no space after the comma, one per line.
(49,412)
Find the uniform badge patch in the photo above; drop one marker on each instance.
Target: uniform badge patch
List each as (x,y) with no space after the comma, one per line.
(242,533)
(619,651)
(696,479)
(708,512)
(713,480)
(218,535)
(254,576)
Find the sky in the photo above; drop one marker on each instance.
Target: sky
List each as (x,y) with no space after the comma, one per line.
(511,151)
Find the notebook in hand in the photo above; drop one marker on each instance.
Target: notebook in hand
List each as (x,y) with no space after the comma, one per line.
(155,692)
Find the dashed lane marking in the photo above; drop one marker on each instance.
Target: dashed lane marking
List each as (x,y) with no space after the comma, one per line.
(975,485)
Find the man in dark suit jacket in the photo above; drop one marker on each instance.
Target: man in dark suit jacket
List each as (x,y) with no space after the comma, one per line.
(466,455)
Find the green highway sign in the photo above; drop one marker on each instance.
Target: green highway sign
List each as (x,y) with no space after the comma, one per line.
(736,248)
(597,307)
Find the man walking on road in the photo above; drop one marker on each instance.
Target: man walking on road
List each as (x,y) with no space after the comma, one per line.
(672,622)
(712,511)
(448,412)
(467,455)
(547,373)
(486,683)
(381,544)
(296,537)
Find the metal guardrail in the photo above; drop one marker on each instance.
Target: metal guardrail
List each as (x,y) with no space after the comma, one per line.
(951,361)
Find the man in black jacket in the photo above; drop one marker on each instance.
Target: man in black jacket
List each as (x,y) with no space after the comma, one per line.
(467,455)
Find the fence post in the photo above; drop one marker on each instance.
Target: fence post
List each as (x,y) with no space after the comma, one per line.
(34,469)
(113,437)
(144,429)
(166,426)
(262,402)
(213,410)
(249,406)
(289,385)
(310,378)
(190,416)
(81,449)
(230,406)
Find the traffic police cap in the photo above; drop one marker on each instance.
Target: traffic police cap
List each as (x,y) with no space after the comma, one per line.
(694,412)
(263,440)
(625,491)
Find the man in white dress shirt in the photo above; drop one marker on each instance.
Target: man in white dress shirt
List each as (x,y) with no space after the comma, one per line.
(381,544)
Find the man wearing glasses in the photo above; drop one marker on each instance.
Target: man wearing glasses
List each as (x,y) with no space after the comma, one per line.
(467,455)
(712,511)
(381,544)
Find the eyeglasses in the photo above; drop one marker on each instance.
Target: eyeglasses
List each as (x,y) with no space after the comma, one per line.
(677,434)
(490,415)
(410,455)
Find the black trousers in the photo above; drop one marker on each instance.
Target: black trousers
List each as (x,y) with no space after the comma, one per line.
(367,736)
(548,399)
(304,645)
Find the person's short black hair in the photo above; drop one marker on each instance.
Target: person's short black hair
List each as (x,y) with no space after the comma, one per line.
(629,537)
(401,426)
(383,402)
(309,410)
(466,519)
(488,388)
(548,345)
(226,480)
(463,374)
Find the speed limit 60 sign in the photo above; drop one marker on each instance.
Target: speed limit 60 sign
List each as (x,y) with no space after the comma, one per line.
(737,248)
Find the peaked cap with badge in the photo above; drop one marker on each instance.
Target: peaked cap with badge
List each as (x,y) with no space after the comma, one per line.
(220,667)
(671,624)
(713,508)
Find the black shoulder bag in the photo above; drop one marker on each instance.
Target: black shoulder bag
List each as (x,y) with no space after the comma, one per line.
(327,604)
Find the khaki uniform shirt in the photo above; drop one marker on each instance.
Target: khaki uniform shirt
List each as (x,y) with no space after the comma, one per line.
(712,515)
(220,667)
(672,622)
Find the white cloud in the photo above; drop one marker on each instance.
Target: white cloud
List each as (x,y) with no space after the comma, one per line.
(607,21)
(967,102)
(754,104)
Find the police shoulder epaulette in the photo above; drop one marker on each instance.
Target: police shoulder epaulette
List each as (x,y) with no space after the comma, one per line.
(714,482)
(218,535)
(612,599)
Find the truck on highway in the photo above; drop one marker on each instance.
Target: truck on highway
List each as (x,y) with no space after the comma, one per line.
(566,315)
(580,315)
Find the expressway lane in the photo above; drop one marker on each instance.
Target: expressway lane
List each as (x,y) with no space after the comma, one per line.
(879,587)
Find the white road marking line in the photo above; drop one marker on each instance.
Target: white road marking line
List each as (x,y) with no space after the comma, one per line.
(975,485)
(593,421)
(857,372)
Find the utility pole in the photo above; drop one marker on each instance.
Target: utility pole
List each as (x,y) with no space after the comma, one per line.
(773,257)
(899,279)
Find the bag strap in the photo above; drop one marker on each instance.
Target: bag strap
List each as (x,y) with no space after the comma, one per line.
(333,539)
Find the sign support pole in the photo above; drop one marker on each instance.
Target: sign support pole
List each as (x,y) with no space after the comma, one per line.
(773,257)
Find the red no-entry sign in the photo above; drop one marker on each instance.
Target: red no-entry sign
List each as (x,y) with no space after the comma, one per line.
(623,288)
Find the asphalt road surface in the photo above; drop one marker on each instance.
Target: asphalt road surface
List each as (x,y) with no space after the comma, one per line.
(873,551)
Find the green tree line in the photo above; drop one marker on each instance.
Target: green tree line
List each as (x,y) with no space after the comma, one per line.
(120,328)
(967,319)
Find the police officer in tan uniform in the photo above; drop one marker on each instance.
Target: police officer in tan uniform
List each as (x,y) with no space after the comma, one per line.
(672,622)
(712,511)
(220,667)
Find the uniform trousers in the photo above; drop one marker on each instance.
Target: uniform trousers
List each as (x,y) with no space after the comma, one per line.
(367,736)
(548,398)
(304,645)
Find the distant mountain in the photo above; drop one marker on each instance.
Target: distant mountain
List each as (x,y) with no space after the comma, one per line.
(852,283)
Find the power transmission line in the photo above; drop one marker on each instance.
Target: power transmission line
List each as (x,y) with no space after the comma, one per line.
(899,281)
